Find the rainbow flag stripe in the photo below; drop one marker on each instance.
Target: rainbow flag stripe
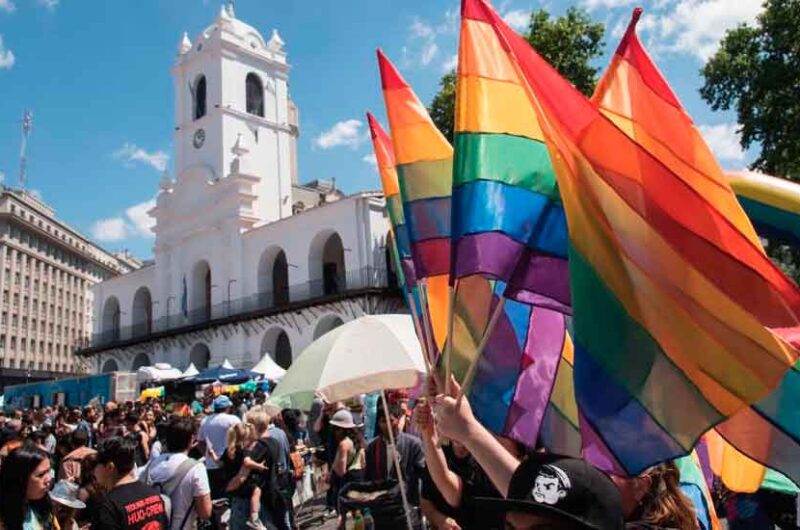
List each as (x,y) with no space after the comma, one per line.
(773,204)
(508,221)
(424,160)
(678,315)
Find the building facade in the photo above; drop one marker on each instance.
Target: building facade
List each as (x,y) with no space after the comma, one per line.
(45,278)
(247,261)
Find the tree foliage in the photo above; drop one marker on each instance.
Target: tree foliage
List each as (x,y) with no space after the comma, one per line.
(570,43)
(757,71)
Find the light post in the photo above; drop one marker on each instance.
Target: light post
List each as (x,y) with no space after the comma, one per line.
(169,298)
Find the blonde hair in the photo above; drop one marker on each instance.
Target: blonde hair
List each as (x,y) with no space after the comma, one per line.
(259,419)
(664,504)
(239,436)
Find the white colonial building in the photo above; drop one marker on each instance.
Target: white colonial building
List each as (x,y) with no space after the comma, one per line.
(246,260)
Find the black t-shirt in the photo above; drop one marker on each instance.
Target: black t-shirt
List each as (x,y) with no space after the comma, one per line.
(232,465)
(267,451)
(132,506)
(476,484)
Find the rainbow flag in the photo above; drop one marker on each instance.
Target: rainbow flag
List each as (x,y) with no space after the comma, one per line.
(424,162)
(678,315)
(773,204)
(637,98)
(509,245)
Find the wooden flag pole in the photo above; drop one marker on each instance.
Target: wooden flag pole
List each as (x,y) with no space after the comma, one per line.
(473,365)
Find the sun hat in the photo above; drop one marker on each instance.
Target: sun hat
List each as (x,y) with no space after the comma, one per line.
(344,419)
(567,489)
(66,493)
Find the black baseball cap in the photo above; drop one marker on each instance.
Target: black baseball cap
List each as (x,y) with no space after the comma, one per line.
(566,489)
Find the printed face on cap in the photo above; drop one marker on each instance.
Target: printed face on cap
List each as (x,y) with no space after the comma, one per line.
(550,486)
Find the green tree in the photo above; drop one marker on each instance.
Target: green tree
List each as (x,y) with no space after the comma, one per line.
(570,43)
(757,71)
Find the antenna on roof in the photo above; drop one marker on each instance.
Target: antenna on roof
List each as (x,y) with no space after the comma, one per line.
(27,125)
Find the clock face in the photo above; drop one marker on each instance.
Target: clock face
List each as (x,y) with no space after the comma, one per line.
(199,138)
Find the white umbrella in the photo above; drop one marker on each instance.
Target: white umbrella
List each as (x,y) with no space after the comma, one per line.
(375,352)
(191,371)
(370,353)
(158,372)
(268,368)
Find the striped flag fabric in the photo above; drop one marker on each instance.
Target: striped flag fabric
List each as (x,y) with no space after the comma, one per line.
(771,203)
(679,319)
(636,97)
(424,165)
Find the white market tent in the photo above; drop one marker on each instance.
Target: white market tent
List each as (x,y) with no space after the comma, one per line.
(190,371)
(268,368)
(158,372)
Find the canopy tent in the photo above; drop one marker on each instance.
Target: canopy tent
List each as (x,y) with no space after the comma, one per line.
(227,364)
(157,373)
(190,371)
(268,368)
(223,375)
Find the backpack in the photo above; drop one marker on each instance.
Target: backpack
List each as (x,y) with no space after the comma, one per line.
(168,487)
(298,465)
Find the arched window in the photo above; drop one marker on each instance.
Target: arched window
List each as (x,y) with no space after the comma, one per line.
(199,98)
(255,95)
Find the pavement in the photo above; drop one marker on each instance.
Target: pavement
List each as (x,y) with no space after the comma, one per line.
(310,516)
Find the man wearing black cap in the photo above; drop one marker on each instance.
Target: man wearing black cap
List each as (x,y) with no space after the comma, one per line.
(544,491)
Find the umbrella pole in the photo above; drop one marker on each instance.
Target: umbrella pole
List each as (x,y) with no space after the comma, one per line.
(396,459)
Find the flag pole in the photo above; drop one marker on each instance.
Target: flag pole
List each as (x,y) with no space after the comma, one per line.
(426,322)
(473,365)
(448,345)
(396,458)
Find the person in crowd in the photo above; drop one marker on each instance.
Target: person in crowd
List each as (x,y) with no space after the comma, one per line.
(135,430)
(70,468)
(245,494)
(66,504)
(25,479)
(292,421)
(129,504)
(380,455)
(181,478)
(87,424)
(349,461)
(89,491)
(149,425)
(264,461)
(654,500)
(452,481)
(50,440)
(212,439)
(11,437)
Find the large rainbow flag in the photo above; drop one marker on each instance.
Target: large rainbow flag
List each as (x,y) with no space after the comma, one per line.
(680,320)
(424,161)
(637,98)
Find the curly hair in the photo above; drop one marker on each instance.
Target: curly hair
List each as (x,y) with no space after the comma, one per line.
(664,504)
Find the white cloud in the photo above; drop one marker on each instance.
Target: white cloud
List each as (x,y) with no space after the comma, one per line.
(110,230)
(134,223)
(518,19)
(130,153)
(139,220)
(421,29)
(695,27)
(428,53)
(450,63)
(723,139)
(7,6)
(345,133)
(6,56)
(606,4)
(370,159)
(49,4)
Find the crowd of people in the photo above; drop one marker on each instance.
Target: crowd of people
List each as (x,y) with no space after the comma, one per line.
(151,466)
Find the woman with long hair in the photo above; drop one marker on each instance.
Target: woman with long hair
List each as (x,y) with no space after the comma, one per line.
(348,463)
(90,492)
(654,500)
(24,482)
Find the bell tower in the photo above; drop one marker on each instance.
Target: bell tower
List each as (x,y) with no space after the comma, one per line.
(231,86)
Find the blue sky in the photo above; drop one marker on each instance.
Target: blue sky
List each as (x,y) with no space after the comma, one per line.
(95,73)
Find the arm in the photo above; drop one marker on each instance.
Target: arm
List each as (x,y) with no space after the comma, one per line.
(439,520)
(201,490)
(202,505)
(144,441)
(448,483)
(340,463)
(456,422)
(252,465)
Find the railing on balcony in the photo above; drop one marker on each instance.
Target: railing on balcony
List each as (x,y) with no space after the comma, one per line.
(366,278)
